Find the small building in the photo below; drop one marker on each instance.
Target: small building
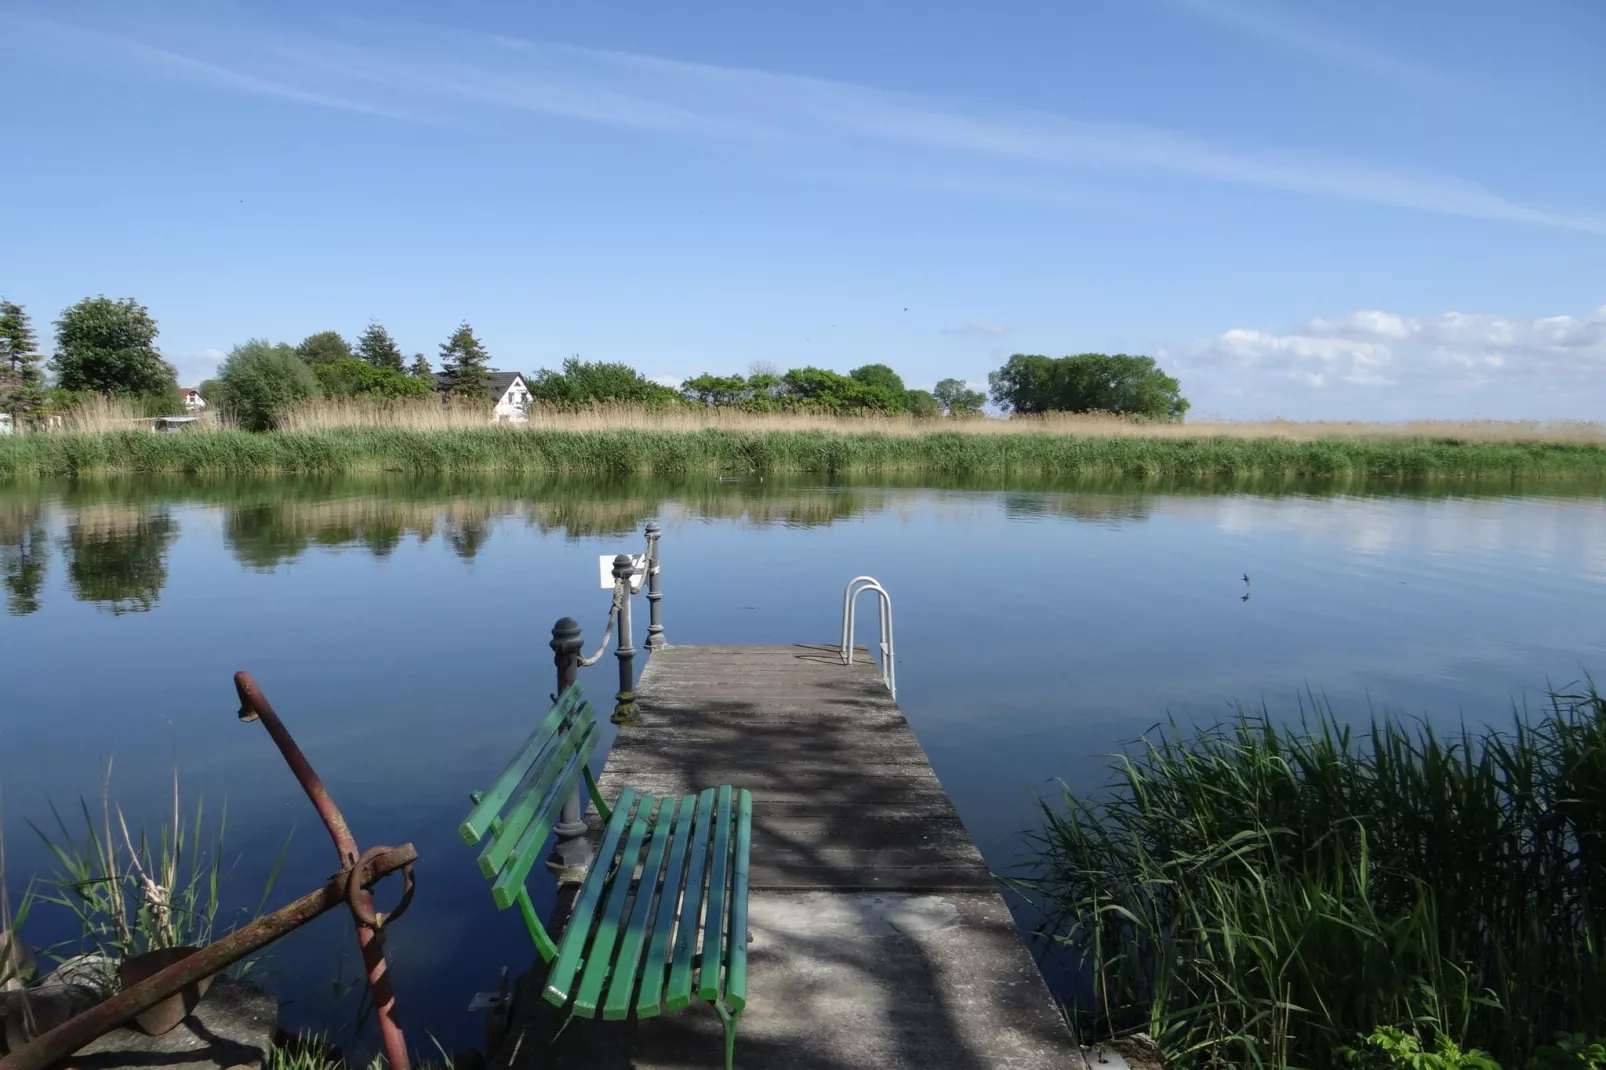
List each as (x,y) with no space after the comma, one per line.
(193,401)
(5,423)
(507,392)
(169,424)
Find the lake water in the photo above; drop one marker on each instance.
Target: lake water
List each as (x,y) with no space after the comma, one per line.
(400,628)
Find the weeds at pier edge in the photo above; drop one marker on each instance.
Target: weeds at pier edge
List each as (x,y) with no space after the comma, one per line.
(315,1051)
(1252,896)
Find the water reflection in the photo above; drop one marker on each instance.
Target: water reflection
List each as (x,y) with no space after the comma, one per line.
(23,556)
(117,556)
(115,535)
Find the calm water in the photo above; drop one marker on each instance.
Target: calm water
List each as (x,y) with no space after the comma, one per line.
(400,629)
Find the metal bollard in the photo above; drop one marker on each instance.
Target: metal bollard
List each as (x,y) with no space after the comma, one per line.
(571,854)
(655,625)
(624,707)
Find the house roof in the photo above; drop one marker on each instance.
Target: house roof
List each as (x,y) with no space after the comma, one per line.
(498,382)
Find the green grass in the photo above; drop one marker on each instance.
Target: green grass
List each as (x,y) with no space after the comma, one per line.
(1254,897)
(670,453)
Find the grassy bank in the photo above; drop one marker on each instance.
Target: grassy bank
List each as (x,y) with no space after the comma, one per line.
(658,452)
(1252,897)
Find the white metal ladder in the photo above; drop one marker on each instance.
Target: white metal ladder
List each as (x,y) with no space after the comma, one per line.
(850,599)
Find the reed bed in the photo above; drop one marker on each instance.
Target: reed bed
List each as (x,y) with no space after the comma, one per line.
(326,414)
(1253,896)
(939,452)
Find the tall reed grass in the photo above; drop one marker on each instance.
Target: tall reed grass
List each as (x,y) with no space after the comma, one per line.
(134,893)
(326,414)
(1251,896)
(939,452)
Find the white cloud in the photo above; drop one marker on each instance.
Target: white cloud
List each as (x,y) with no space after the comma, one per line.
(1373,364)
(671,381)
(193,368)
(978,328)
(435,75)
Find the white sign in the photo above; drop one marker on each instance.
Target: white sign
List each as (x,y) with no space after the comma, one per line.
(605,571)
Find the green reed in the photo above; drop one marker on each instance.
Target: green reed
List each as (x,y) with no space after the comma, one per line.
(1254,896)
(132,891)
(648,452)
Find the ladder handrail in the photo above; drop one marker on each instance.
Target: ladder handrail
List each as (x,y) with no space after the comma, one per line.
(850,600)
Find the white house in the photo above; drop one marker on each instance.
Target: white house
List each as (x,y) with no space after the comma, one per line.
(509,394)
(193,402)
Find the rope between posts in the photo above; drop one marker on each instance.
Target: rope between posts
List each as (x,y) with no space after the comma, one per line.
(607,634)
(622,589)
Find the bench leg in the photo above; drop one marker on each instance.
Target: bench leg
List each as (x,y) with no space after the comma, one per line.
(731,1019)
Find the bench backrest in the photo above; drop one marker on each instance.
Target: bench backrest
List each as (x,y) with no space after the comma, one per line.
(515,815)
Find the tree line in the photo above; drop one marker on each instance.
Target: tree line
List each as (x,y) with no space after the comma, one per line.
(108,347)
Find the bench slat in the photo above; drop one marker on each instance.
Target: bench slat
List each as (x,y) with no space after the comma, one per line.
(599,959)
(691,909)
(629,957)
(561,979)
(736,972)
(656,970)
(718,895)
(537,801)
(506,888)
(495,797)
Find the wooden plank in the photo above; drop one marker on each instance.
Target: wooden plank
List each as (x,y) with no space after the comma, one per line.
(713,956)
(539,799)
(736,968)
(877,877)
(491,801)
(624,971)
(529,845)
(599,957)
(843,793)
(561,980)
(653,975)
(679,995)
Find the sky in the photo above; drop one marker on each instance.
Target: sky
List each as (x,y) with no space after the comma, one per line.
(1364,210)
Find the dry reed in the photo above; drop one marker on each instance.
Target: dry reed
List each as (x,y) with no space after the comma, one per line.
(327,414)
(102,415)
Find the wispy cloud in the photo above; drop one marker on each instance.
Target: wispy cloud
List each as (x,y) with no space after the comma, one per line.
(417,73)
(1276,28)
(978,328)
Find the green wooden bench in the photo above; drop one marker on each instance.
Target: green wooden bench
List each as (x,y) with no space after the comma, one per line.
(661,917)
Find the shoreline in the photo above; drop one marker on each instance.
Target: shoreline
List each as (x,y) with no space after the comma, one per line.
(634,452)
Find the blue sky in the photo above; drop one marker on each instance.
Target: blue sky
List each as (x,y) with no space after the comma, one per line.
(1358,210)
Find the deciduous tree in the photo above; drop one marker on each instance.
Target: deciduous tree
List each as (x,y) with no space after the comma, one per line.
(323,347)
(879,375)
(921,403)
(350,377)
(261,381)
(109,347)
(1088,382)
(582,382)
(957,399)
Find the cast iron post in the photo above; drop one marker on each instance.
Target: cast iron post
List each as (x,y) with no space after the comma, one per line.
(624,707)
(655,626)
(571,854)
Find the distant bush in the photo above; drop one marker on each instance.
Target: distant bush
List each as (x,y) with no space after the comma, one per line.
(260,381)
